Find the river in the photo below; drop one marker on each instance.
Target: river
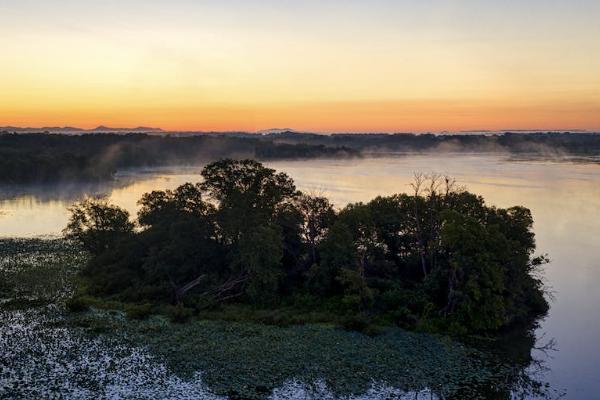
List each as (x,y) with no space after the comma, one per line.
(564,198)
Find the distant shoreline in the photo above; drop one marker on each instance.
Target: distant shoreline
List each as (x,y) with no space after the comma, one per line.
(39,157)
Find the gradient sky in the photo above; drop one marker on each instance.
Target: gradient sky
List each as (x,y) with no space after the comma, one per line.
(345,65)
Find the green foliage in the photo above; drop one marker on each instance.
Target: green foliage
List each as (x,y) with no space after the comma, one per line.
(180,314)
(358,296)
(138,311)
(247,184)
(259,255)
(337,252)
(317,216)
(360,322)
(476,276)
(438,260)
(98,226)
(160,206)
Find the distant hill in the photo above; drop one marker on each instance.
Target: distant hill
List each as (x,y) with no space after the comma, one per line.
(74,130)
(64,129)
(137,129)
(275,130)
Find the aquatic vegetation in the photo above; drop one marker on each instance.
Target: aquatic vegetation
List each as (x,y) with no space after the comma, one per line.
(43,360)
(46,352)
(38,269)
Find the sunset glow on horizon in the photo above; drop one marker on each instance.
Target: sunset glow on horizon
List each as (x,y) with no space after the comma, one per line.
(328,66)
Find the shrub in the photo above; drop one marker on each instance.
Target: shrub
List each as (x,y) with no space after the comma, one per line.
(180,314)
(141,311)
(358,322)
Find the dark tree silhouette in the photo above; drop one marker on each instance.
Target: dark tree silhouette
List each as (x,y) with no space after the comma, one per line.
(437,259)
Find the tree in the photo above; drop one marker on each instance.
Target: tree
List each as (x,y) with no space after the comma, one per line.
(250,199)
(438,258)
(318,215)
(247,195)
(258,258)
(365,242)
(476,258)
(97,225)
(289,221)
(161,206)
(337,252)
(180,233)
(247,183)
(394,226)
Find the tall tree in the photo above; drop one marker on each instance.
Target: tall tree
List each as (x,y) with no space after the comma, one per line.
(97,225)
(318,215)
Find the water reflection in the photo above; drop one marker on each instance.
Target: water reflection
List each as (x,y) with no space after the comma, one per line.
(40,210)
(525,357)
(564,199)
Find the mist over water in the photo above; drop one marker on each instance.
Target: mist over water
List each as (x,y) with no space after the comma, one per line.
(564,198)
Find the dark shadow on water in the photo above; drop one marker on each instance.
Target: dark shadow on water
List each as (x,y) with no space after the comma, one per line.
(61,192)
(69,192)
(520,358)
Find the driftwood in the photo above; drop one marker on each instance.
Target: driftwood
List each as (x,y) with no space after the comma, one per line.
(180,292)
(224,291)
(220,293)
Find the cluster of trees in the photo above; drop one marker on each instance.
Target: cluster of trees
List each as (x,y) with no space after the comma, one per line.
(547,144)
(39,157)
(92,157)
(438,258)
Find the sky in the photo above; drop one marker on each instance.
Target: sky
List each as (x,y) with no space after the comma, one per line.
(323,66)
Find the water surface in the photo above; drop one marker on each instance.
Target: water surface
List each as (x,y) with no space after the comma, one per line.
(564,198)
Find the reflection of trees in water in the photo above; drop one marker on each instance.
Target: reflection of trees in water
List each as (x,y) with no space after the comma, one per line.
(555,157)
(70,192)
(66,192)
(518,359)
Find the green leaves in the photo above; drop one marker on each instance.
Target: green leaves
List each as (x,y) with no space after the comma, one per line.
(97,225)
(245,235)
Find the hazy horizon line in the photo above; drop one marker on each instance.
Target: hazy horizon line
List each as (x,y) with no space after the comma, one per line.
(155,129)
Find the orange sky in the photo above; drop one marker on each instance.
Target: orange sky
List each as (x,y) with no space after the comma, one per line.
(318,66)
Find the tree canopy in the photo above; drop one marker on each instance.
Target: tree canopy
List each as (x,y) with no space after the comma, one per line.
(38,157)
(437,259)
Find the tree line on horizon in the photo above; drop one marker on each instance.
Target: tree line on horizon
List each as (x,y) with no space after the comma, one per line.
(436,259)
(541,144)
(39,157)
(35,158)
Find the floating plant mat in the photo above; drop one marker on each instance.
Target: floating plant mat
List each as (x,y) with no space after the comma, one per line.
(46,352)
